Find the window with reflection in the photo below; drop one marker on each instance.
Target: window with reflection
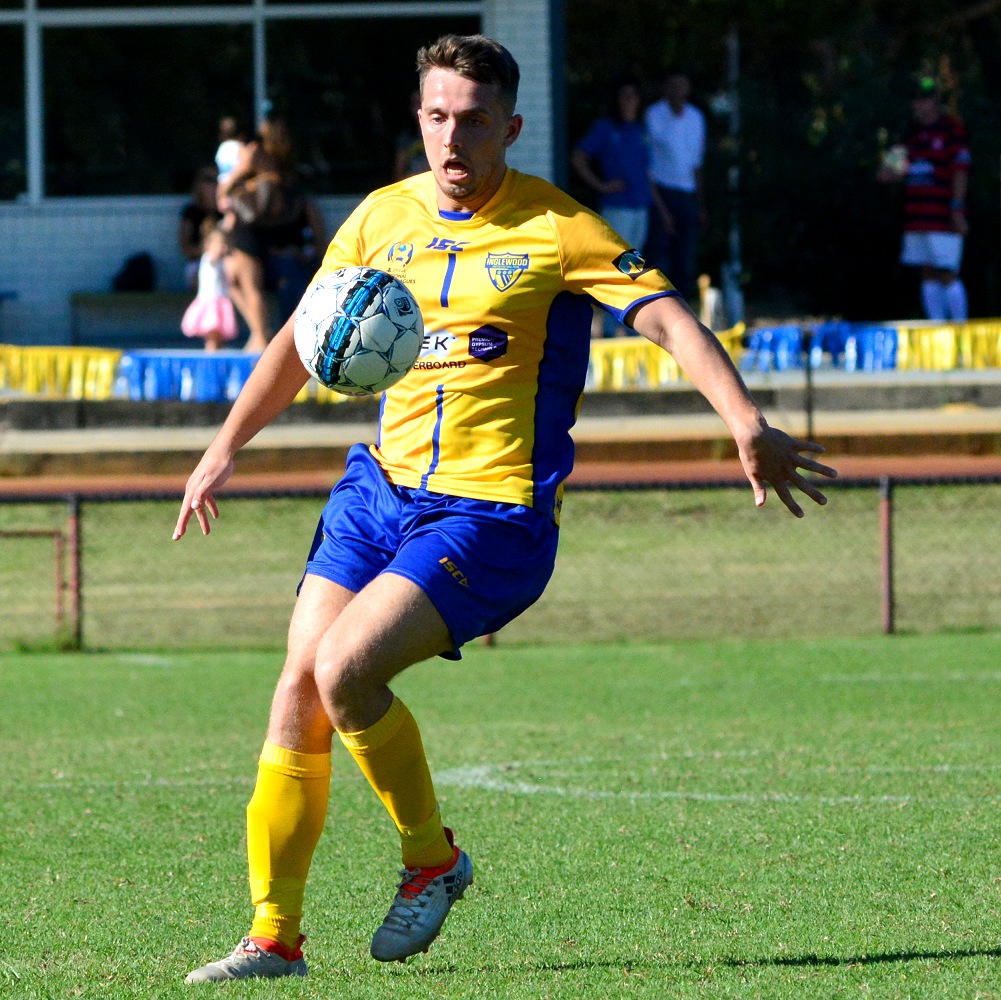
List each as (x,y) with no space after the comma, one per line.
(12,139)
(110,4)
(344,88)
(135,110)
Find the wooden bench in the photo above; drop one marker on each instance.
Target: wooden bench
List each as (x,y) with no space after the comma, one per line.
(140,321)
(128,320)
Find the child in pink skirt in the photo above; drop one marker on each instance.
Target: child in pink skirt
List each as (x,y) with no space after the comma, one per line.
(211,315)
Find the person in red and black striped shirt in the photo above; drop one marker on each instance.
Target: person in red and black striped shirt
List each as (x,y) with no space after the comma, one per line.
(935,172)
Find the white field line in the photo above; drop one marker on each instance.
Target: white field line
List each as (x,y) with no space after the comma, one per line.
(502,777)
(498,778)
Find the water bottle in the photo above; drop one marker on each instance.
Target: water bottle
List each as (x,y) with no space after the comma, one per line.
(149,383)
(187,384)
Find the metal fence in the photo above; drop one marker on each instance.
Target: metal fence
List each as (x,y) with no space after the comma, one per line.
(637,562)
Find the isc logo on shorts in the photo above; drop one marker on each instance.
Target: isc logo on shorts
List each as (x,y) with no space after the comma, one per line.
(454,570)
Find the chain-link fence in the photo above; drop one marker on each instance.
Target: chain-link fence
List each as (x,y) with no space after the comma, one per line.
(635,564)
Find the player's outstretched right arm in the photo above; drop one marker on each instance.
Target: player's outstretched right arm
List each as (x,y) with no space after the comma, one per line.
(273,384)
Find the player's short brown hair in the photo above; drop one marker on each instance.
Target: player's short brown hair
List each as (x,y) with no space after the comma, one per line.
(476,57)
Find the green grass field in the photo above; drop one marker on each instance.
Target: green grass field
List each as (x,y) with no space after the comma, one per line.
(775,819)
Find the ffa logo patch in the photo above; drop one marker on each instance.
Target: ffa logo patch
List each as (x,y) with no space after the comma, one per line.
(631,264)
(400,253)
(504,269)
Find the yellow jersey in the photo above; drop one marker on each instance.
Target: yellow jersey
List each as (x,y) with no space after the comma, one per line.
(506,295)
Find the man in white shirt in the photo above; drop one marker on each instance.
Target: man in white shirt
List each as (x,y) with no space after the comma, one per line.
(677,136)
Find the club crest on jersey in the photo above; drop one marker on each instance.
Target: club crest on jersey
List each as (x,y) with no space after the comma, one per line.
(400,253)
(504,269)
(631,263)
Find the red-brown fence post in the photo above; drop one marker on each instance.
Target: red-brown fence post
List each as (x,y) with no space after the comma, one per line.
(75,574)
(886,548)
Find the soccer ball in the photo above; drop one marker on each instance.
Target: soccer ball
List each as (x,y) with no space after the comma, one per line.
(358,330)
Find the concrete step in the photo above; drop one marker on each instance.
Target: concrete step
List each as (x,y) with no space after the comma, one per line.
(321,447)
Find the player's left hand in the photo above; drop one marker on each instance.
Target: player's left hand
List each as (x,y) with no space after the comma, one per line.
(773,457)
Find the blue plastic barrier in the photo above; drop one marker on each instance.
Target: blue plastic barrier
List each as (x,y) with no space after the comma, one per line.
(777,348)
(828,338)
(854,346)
(212,377)
(870,348)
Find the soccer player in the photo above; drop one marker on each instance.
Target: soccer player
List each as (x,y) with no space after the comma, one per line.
(447,528)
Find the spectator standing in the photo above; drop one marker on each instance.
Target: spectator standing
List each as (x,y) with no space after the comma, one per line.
(677,133)
(266,200)
(202,206)
(617,145)
(227,155)
(613,159)
(211,315)
(934,167)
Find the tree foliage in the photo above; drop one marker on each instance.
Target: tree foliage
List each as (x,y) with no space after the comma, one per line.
(823,88)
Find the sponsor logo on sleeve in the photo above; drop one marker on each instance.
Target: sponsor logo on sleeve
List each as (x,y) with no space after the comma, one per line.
(631,264)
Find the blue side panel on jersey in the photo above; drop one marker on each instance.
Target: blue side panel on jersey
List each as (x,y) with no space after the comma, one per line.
(620,314)
(561,381)
(435,437)
(378,433)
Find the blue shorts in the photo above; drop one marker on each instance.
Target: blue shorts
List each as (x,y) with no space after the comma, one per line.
(480,562)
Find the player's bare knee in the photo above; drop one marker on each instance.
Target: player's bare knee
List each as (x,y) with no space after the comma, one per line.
(348,692)
(336,679)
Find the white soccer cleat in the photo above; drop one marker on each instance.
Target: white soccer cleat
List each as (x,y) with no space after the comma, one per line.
(253,959)
(423,900)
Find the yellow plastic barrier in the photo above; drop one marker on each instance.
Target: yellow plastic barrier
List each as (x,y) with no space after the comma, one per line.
(927,347)
(944,346)
(313,390)
(59,372)
(636,363)
(980,344)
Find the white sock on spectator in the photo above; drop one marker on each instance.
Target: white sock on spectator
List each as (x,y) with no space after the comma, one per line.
(955,300)
(933,299)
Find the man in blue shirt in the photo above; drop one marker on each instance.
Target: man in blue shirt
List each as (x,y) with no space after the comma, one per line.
(617,146)
(613,158)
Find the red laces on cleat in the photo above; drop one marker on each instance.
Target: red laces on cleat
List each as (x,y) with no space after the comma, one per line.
(421,878)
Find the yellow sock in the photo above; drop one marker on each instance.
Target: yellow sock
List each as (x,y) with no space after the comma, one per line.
(391,756)
(284,821)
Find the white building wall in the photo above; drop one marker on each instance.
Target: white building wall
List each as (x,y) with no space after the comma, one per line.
(66,245)
(50,250)
(523,28)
